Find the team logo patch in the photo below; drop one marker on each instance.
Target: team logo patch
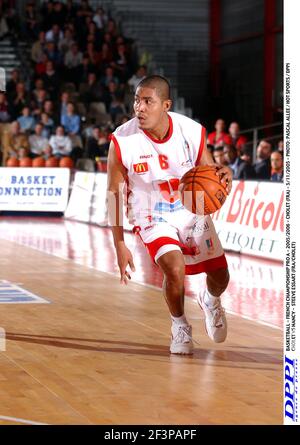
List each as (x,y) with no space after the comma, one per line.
(140,168)
(11,293)
(209,244)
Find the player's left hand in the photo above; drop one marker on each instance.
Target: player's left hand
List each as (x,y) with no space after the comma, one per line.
(226,175)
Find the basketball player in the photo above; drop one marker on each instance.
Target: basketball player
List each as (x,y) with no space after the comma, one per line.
(151,152)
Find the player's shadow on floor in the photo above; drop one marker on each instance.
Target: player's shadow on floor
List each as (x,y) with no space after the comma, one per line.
(221,356)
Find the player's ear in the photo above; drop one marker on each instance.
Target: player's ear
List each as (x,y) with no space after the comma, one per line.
(168,104)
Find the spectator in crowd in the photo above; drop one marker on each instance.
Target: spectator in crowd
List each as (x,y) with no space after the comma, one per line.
(4,30)
(50,110)
(92,91)
(48,17)
(237,139)
(73,60)
(218,155)
(52,53)
(117,107)
(59,14)
(26,121)
(276,166)
(51,80)
(219,136)
(280,146)
(109,76)
(54,35)
(64,100)
(100,18)
(14,142)
(31,24)
(71,121)
(38,86)
(19,100)
(40,67)
(241,168)
(4,115)
(48,125)
(37,142)
(246,171)
(60,144)
(70,10)
(121,63)
(262,165)
(97,144)
(38,47)
(105,56)
(41,97)
(139,75)
(11,85)
(66,42)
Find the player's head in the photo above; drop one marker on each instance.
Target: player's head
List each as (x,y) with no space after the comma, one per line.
(152,101)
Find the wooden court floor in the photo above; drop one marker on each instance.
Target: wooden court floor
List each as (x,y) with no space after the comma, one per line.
(99,354)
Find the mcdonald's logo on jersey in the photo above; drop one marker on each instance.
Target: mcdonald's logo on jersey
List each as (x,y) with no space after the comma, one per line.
(140,168)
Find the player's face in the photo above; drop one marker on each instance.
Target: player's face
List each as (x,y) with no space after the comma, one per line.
(149,108)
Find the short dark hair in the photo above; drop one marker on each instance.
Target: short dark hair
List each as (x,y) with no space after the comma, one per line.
(159,83)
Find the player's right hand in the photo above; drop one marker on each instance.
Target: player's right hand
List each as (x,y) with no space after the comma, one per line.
(124,259)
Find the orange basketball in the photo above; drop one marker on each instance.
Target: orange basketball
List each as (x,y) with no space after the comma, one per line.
(202,179)
(12,162)
(52,162)
(25,162)
(38,162)
(66,162)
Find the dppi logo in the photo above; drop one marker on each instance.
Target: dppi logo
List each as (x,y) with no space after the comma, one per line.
(290,391)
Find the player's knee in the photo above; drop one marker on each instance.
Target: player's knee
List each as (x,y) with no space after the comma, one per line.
(219,279)
(175,272)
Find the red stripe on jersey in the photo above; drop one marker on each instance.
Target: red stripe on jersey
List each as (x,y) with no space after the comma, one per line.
(117,147)
(161,141)
(202,141)
(207,266)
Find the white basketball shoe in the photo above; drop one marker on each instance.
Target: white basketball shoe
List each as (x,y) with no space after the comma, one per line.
(181,342)
(215,320)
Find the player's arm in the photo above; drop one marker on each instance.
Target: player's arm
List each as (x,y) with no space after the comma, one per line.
(116,175)
(225,172)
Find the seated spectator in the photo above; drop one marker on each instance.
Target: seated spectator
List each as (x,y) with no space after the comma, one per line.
(60,144)
(37,142)
(64,100)
(140,73)
(4,115)
(276,166)
(246,169)
(54,35)
(97,144)
(262,165)
(11,85)
(59,14)
(38,47)
(51,80)
(38,104)
(72,61)
(105,55)
(100,18)
(66,42)
(121,63)
(280,146)
(117,107)
(218,155)
(71,121)
(48,125)
(40,67)
(52,53)
(236,139)
(50,110)
(84,69)
(26,121)
(109,77)
(240,167)
(13,141)
(31,24)
(92,91)
(219,137)
(19,100)
(38,86)
(70,10)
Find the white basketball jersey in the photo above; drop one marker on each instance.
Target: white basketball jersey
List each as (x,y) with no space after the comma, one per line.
(154,167)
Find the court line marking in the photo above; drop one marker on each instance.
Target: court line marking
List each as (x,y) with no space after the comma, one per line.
(151,286)
(17,419)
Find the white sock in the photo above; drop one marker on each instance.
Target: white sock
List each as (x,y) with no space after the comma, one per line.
(179,320)
(210,300)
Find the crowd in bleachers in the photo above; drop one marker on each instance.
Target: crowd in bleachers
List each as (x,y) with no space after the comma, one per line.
(83,74)
(84,71)
(232,148)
